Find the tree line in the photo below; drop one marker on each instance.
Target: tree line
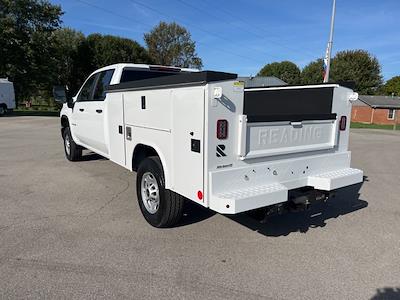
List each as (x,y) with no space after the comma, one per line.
(358,66)
(37,53)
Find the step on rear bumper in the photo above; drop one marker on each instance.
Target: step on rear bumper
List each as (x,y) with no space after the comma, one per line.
(335,179)
(244,199)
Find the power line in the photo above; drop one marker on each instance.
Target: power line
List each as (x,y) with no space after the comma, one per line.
(111,12)
(147,24)
(214,16)
(199,28)
(243,20)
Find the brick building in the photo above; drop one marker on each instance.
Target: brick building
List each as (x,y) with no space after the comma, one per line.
(382,110)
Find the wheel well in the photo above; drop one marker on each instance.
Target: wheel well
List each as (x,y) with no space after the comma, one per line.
(141,152)
(3,105)
(64,124)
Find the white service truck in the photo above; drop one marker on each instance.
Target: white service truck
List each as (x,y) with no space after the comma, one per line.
(7,96)
(202,136)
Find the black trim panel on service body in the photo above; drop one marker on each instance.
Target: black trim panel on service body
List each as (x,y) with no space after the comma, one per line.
(293,104)
(183,78)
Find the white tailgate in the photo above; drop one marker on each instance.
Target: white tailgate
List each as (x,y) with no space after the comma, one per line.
(277,138)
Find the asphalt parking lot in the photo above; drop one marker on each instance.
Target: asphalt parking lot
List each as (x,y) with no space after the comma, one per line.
(74,230)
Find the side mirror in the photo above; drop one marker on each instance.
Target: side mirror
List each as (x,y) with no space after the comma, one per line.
(61,96)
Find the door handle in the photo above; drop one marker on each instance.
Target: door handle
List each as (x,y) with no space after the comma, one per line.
(99,111)
(81,109)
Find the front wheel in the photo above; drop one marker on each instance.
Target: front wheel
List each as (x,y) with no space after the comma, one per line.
(72,151)
(160,207)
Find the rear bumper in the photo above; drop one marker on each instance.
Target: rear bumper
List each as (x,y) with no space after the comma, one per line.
(263,184)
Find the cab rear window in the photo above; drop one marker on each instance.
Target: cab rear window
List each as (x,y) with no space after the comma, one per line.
(134,75)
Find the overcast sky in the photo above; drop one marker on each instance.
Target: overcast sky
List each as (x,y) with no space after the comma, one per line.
(241,36)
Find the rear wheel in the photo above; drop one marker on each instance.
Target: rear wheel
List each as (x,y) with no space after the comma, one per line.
(72,151)
(3,110)
(160,207)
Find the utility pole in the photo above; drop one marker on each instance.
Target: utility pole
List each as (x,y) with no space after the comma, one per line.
(327,60)
(396,111)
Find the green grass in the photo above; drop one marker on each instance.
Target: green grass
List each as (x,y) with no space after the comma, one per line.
(36,113)
(373,126)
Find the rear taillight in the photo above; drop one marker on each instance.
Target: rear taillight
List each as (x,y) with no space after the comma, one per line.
(343,123)
(222,129)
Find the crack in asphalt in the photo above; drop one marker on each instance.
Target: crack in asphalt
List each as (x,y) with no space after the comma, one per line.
(73,214)
(4,228)
(113,198)
(185,283)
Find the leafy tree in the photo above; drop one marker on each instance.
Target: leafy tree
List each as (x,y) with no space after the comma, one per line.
(93,52)
(392,86)
(66,67)
(171,45)
(25,39)
(358,66)
(313,72)
(108,49)
(285,70)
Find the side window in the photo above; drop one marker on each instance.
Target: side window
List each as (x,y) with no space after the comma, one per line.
(102,83)
(133,75)
(391,114)
(87,89)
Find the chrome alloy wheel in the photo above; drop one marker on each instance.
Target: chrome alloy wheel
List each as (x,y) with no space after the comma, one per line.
(150,192)
(67,144)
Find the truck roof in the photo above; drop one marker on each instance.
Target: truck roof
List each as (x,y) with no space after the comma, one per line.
(144,66)
(186,79)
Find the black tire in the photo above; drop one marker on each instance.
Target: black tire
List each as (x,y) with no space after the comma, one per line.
(75,152)
(170,208)
(3,110)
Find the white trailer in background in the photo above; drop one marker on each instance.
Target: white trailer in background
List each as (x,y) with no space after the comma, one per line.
(202,136)
(7,96)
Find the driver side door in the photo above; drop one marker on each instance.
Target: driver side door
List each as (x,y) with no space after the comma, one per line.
(80,112)
(89,112)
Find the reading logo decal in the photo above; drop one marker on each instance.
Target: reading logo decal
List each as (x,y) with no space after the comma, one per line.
(289,135)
